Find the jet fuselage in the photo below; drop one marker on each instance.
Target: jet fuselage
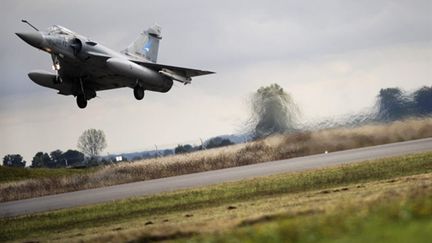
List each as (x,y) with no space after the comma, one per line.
(84,67)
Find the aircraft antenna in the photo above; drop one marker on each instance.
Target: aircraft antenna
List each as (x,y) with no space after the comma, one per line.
(25,21)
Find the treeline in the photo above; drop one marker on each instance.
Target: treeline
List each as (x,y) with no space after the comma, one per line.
(394,103)
(58,159)
(91,143)
(55,159)
(74,158)
(391,104)
(215,142)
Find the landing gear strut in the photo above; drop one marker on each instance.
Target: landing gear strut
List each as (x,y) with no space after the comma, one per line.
(81,101)
(139,92)
(58,80)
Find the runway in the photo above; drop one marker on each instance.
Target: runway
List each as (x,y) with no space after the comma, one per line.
(111,193)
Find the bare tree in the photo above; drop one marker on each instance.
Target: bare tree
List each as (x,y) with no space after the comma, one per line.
(92,142)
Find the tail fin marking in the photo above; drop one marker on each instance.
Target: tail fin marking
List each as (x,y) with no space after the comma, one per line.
(146,45)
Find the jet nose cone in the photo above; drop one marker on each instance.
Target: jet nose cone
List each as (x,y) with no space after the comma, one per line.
(32,38)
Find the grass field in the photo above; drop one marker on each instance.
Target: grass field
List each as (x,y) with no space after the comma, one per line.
(408,220)
(272,148)
(388,198)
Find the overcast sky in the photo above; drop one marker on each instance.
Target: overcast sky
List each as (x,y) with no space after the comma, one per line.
(332,56)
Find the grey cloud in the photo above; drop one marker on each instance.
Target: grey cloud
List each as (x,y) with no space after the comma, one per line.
(219,35)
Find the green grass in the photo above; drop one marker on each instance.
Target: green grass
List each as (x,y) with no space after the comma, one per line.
(409,221)
(10,174)
(103,215)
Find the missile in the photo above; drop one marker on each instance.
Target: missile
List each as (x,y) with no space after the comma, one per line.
(133,70)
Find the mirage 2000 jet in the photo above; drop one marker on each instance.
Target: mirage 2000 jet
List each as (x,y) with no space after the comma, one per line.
(84,66)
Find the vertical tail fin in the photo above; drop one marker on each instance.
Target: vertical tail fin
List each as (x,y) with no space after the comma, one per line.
(146,45)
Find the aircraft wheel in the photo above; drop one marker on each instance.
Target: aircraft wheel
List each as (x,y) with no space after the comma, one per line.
(139,93)
(81,101)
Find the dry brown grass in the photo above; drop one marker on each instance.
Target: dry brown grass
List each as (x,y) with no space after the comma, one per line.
(272,148)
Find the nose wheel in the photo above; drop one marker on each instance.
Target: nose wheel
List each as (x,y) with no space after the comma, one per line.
(139,92)
(81,101)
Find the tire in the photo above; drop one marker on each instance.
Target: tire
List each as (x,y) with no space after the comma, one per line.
(81,101)
(139,93)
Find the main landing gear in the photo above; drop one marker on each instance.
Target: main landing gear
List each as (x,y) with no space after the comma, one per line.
(84,95)
(81,101)
(139,92)
(81,98)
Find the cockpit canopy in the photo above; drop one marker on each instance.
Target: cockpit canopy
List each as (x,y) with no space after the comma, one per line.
(59,30)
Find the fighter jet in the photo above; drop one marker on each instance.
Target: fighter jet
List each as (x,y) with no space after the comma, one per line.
(83,66)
